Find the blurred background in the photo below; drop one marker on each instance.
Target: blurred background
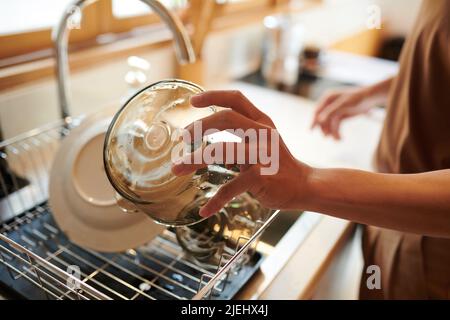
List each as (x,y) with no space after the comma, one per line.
(283,54)
(235,39)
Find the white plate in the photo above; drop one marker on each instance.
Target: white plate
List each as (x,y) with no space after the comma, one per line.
(82,199)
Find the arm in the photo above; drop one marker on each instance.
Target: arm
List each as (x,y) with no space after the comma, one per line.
(379,91)
(341,104)
(415,203)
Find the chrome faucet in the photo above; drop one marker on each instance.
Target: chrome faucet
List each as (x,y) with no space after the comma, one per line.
(183,47)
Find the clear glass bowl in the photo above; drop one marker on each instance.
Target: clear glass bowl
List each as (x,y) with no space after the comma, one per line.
(228,229)
(139,151)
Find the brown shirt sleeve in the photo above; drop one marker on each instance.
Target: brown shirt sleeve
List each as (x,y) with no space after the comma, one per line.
(416,133)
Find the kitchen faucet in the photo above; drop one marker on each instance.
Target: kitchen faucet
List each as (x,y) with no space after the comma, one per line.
(183,47)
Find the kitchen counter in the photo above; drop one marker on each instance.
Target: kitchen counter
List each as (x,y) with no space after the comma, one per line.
(292,116)
(295,266)
(337,69)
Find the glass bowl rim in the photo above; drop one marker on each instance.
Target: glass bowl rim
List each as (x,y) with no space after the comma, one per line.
(111,127)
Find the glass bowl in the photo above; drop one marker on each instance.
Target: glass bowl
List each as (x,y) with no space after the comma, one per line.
(143,140)
(224,232)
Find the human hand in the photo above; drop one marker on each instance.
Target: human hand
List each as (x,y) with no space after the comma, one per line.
(280,184)
(337,105)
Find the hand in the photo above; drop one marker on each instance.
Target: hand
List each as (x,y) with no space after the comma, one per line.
(285,188)
(338,105)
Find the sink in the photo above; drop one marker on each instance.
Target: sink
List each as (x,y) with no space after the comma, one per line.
(278,228)
(308,85)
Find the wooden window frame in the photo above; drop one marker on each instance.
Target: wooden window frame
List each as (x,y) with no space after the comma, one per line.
(27,42)
(19,66)
(98,18)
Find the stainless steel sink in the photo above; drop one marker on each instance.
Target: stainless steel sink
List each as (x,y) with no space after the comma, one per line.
(308,85)
(278,228)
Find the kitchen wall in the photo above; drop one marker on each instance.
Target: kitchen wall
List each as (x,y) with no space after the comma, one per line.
(398,20)
(228,54)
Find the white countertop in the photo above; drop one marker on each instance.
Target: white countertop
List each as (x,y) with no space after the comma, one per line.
(293,115)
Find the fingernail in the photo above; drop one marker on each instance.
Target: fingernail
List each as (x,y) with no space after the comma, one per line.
(189,127)
(177,169)
(177,161)
(205,212)
(195,99)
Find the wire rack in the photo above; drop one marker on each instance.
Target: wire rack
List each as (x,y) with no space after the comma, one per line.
(39,262)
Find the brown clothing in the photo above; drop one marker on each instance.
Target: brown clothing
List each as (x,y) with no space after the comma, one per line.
(415,138)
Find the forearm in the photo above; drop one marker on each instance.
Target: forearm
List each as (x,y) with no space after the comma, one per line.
(416,203)
(378,92)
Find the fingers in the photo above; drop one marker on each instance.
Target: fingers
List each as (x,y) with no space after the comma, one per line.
(334,127)
(324,102)
(223,120)
(230,99)
(187,164)
(330,118)
(228,153)
(227,192)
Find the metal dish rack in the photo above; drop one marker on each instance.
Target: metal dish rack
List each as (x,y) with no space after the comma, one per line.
(37,261)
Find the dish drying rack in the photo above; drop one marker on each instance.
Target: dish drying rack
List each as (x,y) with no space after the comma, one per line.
(37,261)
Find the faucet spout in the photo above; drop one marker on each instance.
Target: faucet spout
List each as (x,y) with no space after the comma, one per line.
(183,47)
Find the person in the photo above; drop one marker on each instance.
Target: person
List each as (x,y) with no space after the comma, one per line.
(405,204)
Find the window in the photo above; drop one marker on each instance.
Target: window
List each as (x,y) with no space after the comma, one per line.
(125,15)
(27,15)
(25,25)
(127,8)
